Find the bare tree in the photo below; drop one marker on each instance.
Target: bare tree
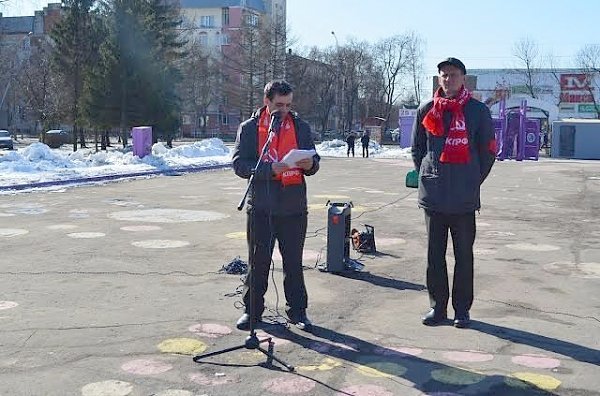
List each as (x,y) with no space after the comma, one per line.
(314,81)
(392,56)
(528,53)
(200,83)
(588,59)
(39,87)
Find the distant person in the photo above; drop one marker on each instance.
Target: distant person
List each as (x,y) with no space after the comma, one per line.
(453,149)
(364,140)
(350,139)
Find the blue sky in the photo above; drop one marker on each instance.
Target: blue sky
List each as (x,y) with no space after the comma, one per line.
(480,32)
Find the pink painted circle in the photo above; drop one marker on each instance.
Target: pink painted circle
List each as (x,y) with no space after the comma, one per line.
(210,330)
(261,334)
(324,347)
(146,367)
(468,356)
(364,390)
(536,361)
(289,385)
(203,379)
(398,351)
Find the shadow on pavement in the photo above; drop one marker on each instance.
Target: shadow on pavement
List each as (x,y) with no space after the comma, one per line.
(574,351)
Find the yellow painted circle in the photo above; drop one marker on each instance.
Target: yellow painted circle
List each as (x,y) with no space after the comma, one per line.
(454,376)
(375,367)
(524,380)
(326,364)
(182,346)
(236,235)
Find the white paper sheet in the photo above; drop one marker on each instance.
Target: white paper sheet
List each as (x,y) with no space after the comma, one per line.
(296,155)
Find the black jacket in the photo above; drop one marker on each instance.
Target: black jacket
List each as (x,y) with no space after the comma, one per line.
(453,188)
(268,195)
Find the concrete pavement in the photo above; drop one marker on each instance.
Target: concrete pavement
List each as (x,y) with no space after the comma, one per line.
(109,290)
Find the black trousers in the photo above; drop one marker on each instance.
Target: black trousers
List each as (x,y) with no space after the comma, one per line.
(290,231)
(350,149)
(365,150)
(462,230)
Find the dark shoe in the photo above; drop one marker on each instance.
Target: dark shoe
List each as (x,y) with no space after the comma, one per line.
(462,320)
(434,318)
(243,322)
(300,319)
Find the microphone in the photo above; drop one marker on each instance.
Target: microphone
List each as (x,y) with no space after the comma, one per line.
(275,122)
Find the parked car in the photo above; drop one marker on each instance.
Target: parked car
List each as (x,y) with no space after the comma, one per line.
(55,138)
(6,140)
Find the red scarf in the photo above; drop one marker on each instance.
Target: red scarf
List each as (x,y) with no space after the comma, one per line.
(456,146)
(282,143)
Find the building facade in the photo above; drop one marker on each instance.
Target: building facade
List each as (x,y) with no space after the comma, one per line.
(229,31)
(551,94)
(18,37)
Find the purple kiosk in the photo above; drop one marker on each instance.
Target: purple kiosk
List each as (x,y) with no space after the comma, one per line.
(517,137)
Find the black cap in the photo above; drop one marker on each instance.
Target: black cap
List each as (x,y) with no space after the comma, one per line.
(454,62)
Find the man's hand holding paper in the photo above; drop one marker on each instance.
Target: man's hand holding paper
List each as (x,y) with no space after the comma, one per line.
(299,159)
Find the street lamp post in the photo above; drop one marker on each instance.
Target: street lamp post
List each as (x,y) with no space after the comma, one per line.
(339,98)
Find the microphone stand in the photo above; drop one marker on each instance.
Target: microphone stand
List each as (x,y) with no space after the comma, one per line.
(252,341)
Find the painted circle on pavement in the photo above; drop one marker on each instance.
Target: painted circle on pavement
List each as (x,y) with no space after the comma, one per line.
(484,252)
(8,304)
(236,235)
(330,197)
(325,365)
(216,379)
(174,392)
(532,247)
(499,233)
(107,388)
(146,367)
(525,380)
(141,228)
(86,235)
(62,227)
(167,215)
(12,232)
(307,255)
(398,351)
(261,334)
(364,390)
(536,361)
(210,330)
(468,356)
(160,244)
(454,376)
(375,367)
(389,241)
(182,346)
(289,385)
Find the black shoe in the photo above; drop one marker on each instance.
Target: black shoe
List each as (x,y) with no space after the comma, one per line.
(300,319)
(243,322)
(462,320)
(433,318)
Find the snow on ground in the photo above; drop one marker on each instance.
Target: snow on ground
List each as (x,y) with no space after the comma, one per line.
(37,163)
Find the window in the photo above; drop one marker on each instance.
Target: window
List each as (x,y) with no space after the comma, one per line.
(224,118)
(203,39)
(207,21)
(252,19)
(225,16)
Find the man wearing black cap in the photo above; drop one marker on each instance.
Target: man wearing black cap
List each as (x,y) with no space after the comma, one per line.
(453,149)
